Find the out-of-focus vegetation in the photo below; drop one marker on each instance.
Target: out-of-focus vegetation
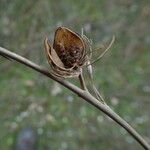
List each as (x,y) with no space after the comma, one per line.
(61,119)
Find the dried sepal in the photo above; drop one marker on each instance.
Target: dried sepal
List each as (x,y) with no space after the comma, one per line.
(51,55)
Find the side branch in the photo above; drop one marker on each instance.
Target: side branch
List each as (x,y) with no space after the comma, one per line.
(82,93)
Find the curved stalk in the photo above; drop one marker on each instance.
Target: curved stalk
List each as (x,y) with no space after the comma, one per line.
(82,93)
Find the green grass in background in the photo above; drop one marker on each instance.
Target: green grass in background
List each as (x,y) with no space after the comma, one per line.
(61,119)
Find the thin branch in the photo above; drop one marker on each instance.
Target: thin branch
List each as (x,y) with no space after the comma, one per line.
(82,93)
(105,51)
(90,75)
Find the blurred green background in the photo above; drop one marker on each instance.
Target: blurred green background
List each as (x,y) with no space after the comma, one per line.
(62,120)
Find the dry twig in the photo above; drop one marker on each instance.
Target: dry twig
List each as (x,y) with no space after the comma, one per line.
(82,93)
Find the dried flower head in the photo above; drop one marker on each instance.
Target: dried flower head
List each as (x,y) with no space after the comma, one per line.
(68,53)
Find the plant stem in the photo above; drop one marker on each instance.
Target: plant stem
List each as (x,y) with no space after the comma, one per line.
(82,82)
(82,93)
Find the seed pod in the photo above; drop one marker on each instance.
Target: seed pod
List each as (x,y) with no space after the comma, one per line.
(67,55)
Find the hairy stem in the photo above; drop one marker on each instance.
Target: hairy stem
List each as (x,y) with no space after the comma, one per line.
(82,93)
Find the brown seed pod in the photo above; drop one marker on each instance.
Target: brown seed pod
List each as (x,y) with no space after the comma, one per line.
(68,54)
